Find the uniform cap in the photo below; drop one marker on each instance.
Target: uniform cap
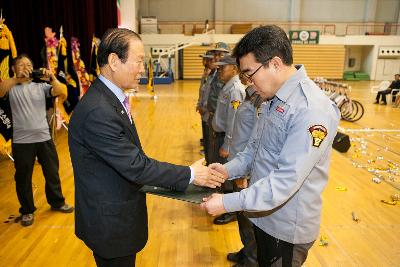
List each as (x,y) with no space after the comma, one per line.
(221,46)
(226,60)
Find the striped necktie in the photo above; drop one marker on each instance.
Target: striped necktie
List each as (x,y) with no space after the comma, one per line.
(127,107)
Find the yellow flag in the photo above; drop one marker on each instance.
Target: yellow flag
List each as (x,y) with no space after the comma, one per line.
(150,78)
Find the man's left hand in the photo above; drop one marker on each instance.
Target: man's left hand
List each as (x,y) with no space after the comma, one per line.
(223,153)
(47,75)
(213,205)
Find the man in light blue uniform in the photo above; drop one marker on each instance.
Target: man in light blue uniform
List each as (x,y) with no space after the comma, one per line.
(229,100)
(288,153)
(210,72)
(219,51)
(245,120)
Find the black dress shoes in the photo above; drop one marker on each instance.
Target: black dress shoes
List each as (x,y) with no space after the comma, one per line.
(225,218)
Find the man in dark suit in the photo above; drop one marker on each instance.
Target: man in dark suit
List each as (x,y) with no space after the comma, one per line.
(108,161)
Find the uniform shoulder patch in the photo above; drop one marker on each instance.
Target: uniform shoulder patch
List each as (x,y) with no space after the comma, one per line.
(235,104)
(318,134)
(280,109)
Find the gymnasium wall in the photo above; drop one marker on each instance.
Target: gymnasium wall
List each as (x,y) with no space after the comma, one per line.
(272,10)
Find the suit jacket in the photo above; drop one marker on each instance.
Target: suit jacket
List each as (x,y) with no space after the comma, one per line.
(109,168)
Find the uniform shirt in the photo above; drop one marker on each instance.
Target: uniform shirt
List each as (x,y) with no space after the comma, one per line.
(288,158)
(229,99)
(245,120)
(203,80)
(204,94)
(28,110)
(215,88)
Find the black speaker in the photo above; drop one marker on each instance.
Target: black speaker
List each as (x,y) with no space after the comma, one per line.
(341,142)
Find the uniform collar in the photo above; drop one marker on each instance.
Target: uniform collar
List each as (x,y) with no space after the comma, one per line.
(288,86)
(118,92)
(232,81)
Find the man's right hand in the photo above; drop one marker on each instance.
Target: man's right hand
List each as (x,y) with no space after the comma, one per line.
(220,169)
(204,176)
(23,76)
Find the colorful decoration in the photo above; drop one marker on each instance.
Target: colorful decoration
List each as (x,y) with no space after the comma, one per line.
(79,66)
(323,241)
(389,202)
(51,43)
(395,197)
(150,79)
(355,217)
(340,188)
(94,69)
(7,49)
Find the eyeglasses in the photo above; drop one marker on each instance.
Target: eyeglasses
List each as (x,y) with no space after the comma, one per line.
(249,77)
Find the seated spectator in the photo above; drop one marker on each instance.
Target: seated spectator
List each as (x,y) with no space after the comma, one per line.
(394,85)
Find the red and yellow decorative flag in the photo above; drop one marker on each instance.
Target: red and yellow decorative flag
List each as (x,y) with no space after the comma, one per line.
(150,78)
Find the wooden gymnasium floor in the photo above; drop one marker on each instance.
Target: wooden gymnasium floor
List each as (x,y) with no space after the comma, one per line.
(183,235)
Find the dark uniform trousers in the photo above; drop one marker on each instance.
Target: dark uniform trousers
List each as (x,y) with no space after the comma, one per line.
(210,143)
(204,128)
(247,237)
(227,186)
(274,252)
(24,160)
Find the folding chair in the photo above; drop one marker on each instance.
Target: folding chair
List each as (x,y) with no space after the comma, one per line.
(394,93)
(380,87)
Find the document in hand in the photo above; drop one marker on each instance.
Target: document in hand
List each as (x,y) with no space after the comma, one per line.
(193,193)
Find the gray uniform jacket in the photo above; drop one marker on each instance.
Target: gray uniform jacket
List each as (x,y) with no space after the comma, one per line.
(288,159)
(205,92)
(203,80)
(245,120)
(216,86)
(224,117)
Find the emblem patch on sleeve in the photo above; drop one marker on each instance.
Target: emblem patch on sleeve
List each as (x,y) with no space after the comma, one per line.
(235,104)
(318,134)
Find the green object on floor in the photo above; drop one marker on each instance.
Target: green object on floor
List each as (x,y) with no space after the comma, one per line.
(355,76)
(362,76)
(349,76)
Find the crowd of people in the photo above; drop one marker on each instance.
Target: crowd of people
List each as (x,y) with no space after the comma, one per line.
(267,135)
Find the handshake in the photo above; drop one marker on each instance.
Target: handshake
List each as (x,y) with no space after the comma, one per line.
(212,176)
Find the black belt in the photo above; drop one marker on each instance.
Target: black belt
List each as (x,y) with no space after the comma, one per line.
(219,134)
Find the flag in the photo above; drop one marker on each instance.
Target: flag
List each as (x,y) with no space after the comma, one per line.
(79,66)
(52,44)
(67,75)
(5,118)
(94,70)
(8,50)
(5,126)
(150,78)
(119,12)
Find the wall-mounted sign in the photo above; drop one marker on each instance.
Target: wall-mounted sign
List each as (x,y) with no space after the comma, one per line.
(304,37)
